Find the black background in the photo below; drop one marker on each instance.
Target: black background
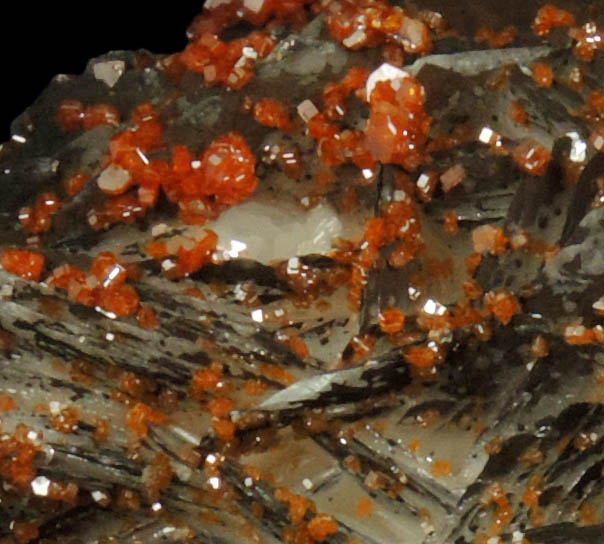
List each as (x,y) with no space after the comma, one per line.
(39,42)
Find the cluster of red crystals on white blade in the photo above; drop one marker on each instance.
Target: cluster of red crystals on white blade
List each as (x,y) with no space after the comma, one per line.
(367,116)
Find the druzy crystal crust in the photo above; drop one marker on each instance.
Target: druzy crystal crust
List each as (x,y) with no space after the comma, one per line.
(332,273)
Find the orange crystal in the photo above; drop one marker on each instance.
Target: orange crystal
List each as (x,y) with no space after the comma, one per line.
(100,114)
(496,39)
(140,415)
(7,403)
(543,74)
(207,378)
(273,113)
(221,406)
(503,304)
(422,357)
(451,223)
(517,112)
(70,115)
(441,468)
(25,264)
(550,16)
(38,219)
(25,532)
(398,125)
(122,300)
(391,320)
(191,260)
(75,184)
(533,158)
(224,429)
(322,527)
(147,318)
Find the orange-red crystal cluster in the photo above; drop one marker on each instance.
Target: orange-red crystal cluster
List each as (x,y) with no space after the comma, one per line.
(17,455)
(232,63)
(398,125)
(397,226)
(38,219)
(25,264)
(188,259)
(273,113)
(365,23)
(73,116)
(496,39)
(223,176)
(227,63)
(396,130)
(335,146)
(588,37)
(549,17)
(532,157)
(268,13)
(105,285)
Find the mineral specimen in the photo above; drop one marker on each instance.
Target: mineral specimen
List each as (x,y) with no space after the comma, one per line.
(332,273)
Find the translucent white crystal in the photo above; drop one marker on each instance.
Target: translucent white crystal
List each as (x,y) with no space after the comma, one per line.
(357,37)
(113,179)
(598,306)
(386,72)
(485,135)
(40,486)
(253,5)
(266,232)
(109,71)
(100,497)
(213,4)
(433,307)
(307,110)
(578,149)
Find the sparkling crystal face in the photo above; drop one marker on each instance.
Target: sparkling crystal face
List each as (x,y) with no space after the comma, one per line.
(332,273)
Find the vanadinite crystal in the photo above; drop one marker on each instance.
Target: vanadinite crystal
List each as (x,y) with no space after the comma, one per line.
(332,273)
